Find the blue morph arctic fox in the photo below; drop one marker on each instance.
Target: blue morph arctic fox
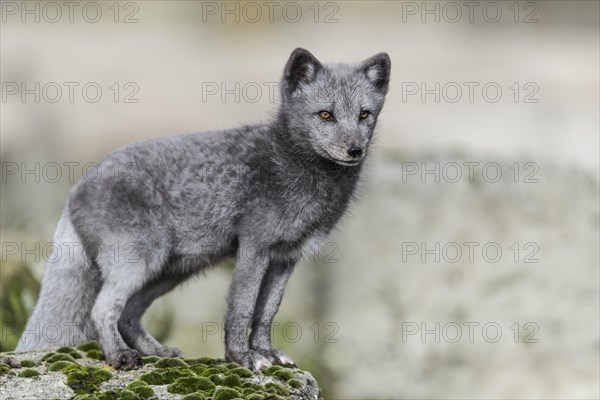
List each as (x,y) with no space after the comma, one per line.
(260,193)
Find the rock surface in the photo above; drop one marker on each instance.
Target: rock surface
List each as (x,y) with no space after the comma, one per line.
(81,374)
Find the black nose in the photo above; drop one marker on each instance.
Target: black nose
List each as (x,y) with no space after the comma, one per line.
(354,151)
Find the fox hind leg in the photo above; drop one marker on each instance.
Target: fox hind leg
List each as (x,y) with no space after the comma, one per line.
(130,324)
(119,285)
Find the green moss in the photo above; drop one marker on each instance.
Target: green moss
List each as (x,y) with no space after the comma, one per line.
(225,393)
(242,372)
(217,378)
(283,375)
(151,359)
(29,373)
(276,388)
(152,378)
(196,361)
(165,376)
(109,395)
(60,357)
(128,395)
(89,346)
(135,384)
(27,363)
(194,396)
(232,381)
(171,362)
(254,396)
(145,392)
(70,351)
(65,349)
(252,386)
(85,397)
(85,379)
(199,368)
(274,397)
(47,356)
(5,369)
(272,370)
(95,354)
(207,360)
(60,365)
(210,371)
(190,384)
(295,383)
(171,374)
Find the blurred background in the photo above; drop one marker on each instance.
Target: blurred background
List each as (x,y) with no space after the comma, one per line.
(469,267)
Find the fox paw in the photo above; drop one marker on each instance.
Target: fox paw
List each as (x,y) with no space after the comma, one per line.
(278,357)
(168,352)
(249,359)
(125,360)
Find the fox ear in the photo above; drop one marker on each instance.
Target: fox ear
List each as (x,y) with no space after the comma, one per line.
(377,69)
(302,67)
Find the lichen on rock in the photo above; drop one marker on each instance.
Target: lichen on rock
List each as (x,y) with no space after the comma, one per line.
(82,374)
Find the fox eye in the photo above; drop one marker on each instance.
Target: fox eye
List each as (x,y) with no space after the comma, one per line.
(364,114)
(325,114)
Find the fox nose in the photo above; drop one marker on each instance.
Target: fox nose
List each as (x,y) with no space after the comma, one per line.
(354,151)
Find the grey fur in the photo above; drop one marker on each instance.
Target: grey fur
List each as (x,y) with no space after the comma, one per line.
(163,210)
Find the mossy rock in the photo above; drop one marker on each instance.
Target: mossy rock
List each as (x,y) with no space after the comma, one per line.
(29,373)
(5,369)
(151,359)
(109,395)
(194,396)
(171,362)
(225,393)
(199,368)
(190,384)
(199,378)
(85,397)
(272,370)
(95,354)
(60,357)
(70,351)
(165,376)
(86,379)
(27,363)
(232,380)
(60,366)
(217,378)
(135,384)
(276,388)
(89,346)
(274,397)
(241,372)
(295,383)
(145,392)
(283,375)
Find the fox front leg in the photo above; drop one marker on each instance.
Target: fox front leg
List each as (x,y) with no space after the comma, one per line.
(267,304)
(250,268)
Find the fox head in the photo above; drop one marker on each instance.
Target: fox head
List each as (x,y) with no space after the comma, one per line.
(332,109)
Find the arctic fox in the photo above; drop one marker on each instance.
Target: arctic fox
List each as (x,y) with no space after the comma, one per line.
(164,210)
